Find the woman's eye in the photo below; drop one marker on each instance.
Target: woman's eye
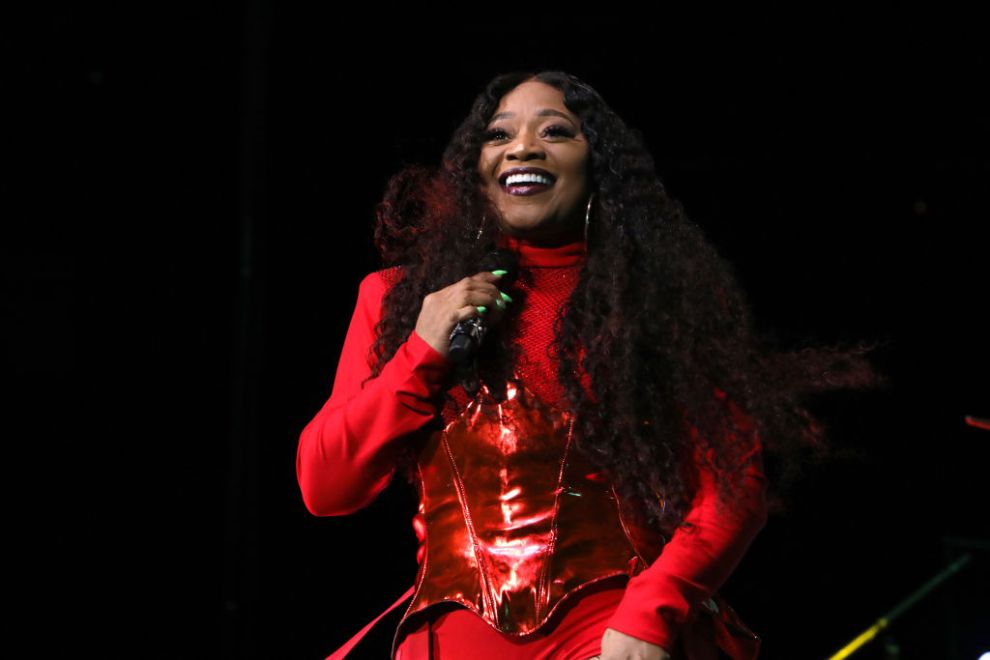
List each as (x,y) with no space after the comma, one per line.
(559,131)
(549,131)
(494,134)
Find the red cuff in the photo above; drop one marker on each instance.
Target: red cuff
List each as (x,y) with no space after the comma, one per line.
(417,369)
(423,352)
(657,625)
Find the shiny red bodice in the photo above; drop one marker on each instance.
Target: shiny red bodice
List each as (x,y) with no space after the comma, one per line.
(513,518)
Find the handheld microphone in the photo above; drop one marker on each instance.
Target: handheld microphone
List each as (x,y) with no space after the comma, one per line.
(467,335)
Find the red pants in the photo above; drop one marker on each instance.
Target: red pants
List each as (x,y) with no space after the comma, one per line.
(574,632)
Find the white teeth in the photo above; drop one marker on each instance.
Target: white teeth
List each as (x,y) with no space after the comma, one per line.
(528,178)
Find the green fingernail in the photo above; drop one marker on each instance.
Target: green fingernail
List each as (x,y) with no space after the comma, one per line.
(500,303)
(500,273)
(505,296)
(482,309)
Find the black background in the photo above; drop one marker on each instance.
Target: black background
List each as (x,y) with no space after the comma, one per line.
(188,197)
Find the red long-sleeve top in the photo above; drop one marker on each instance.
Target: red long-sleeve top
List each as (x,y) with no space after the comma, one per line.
(346,453)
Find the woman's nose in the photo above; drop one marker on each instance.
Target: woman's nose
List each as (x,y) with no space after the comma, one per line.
(526,146)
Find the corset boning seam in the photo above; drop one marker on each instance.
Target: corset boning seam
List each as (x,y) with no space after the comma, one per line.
(543,593)
(479,556)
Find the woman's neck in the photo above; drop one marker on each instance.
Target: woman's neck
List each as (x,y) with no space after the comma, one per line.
(561,253)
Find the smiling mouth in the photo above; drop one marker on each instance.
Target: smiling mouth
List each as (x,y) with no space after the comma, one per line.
(527,183)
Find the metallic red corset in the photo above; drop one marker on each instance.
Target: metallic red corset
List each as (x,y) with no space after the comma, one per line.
(512,518)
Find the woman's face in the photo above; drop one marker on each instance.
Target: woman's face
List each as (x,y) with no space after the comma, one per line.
(534,163)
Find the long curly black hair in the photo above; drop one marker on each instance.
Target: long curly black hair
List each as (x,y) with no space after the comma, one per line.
(669,342)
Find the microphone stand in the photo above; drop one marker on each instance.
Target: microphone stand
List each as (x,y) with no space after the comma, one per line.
(870,633)
(888,618)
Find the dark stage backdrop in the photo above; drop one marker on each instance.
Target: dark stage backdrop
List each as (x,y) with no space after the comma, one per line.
(187,207)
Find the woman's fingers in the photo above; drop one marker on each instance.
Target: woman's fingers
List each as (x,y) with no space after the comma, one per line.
(490,310)
(471,296)
(470,311)
(478,285)
(480,290)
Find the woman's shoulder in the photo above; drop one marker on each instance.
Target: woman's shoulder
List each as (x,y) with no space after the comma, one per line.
(376,283)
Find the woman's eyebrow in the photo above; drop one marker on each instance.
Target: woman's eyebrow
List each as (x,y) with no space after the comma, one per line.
(545,112)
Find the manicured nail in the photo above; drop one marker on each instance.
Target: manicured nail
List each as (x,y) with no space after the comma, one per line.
(482,309)
(505,296)
(500,272)
(500,303)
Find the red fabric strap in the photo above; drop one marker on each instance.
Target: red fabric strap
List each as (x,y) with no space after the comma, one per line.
(342,652)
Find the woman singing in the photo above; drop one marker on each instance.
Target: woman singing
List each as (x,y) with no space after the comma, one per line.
(593,471)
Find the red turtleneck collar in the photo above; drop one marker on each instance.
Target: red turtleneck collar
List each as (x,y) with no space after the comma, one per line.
(532,255)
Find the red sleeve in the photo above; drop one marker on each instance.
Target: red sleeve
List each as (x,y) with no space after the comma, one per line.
(346,454)
(698,558)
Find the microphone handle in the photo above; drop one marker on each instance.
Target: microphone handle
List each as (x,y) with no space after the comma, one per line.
(465,339)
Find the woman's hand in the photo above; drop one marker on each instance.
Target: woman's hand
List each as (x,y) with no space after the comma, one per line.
(620,646)
(444,309)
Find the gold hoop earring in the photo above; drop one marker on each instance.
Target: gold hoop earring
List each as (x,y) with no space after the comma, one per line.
(587,217)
